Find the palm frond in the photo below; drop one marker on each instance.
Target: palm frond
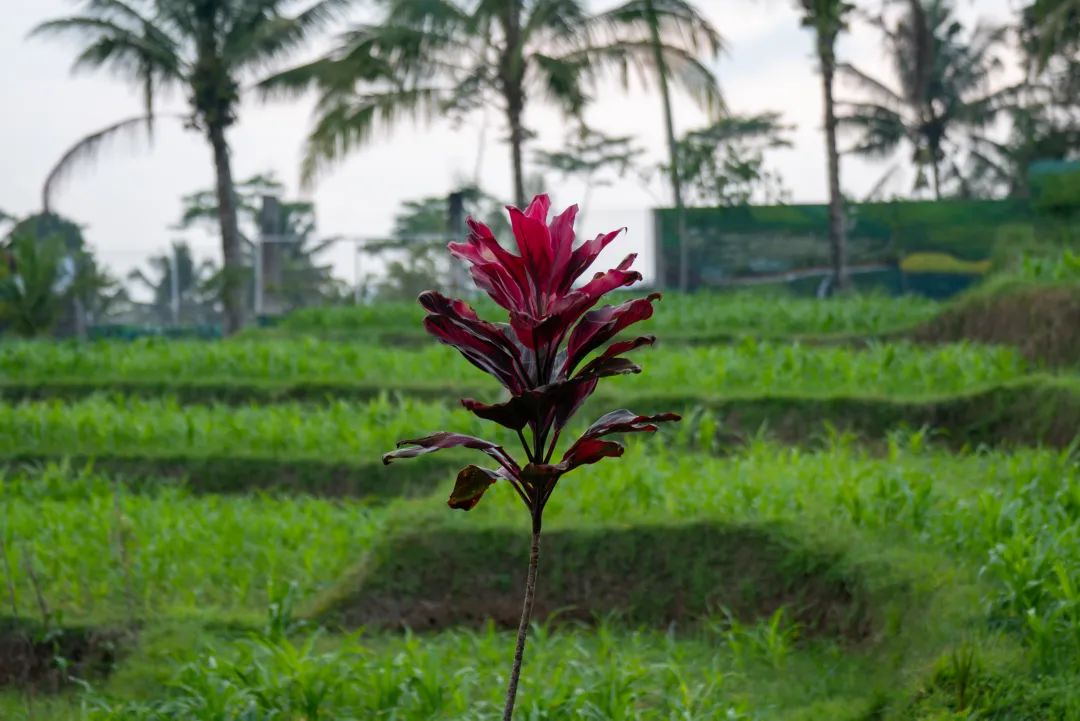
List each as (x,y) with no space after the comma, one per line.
(679,23)
(351,123)
(146,41)
(878,130)
(685,70)
(877,190)
(87,150)
(562,81)
(880,90)
(559,18)
(262,38)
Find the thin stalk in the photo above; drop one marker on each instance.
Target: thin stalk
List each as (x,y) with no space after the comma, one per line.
(525,445)
(526,618)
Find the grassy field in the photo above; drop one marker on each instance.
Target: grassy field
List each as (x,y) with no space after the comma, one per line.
(695,317)
(791,551)
(313,370)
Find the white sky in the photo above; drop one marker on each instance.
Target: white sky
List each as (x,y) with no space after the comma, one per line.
(130,198)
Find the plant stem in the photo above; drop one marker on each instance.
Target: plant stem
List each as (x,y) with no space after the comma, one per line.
(526,618)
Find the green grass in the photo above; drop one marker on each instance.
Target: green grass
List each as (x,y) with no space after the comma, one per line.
(316,370)
(339,431)
(705,315)
(684,317)
(905,579)
(104,553)
(971,554)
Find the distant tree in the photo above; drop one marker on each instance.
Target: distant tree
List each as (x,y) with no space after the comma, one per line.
(1000,167)
(304,279)
(414,257)
(829,18)
(426,60)
(83,291)
(429,216)
(205,48)
(593,157)
(193,286)
(945,90)
(724,164)
(31,298)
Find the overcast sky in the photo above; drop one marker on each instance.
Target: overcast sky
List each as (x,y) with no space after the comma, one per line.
(130,198)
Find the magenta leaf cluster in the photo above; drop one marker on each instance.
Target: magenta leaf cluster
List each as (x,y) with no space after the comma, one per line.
(542,355)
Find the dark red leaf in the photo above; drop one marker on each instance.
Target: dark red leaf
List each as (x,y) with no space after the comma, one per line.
(541,476)
(514,414)
(443,439)
(496,270)
(588,449)
(562,240)
(584,257)
(553,329)
(624,421)
(544,408)
(617,349)
(534,244)
(486,345)
(562,312)
(471,484)
(601,325)
(607,367)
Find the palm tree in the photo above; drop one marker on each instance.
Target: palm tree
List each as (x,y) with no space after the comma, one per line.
(427,60)
(945,86)
(31,271)
(828,18)
(207,49)
(654,16)
(188,289)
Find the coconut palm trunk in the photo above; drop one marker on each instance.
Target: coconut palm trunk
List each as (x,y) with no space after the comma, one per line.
(515,111)
(231,290)
(511,67)
(672,147)
(837,220)
(935,171)
(205,49)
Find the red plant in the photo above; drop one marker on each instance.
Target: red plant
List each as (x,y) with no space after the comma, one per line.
(540,358)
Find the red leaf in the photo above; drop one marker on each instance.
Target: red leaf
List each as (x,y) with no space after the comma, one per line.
(548,406)
(496,270)
(562,239)
(534,244)
(588,449)
(601,325)
(471,484)
(443,439)
(617,349)
(514,414)
(584,257)
(486,345)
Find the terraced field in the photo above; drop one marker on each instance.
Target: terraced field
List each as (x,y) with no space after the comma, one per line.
(864,530)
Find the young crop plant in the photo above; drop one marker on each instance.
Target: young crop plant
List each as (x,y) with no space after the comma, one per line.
(539,357)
